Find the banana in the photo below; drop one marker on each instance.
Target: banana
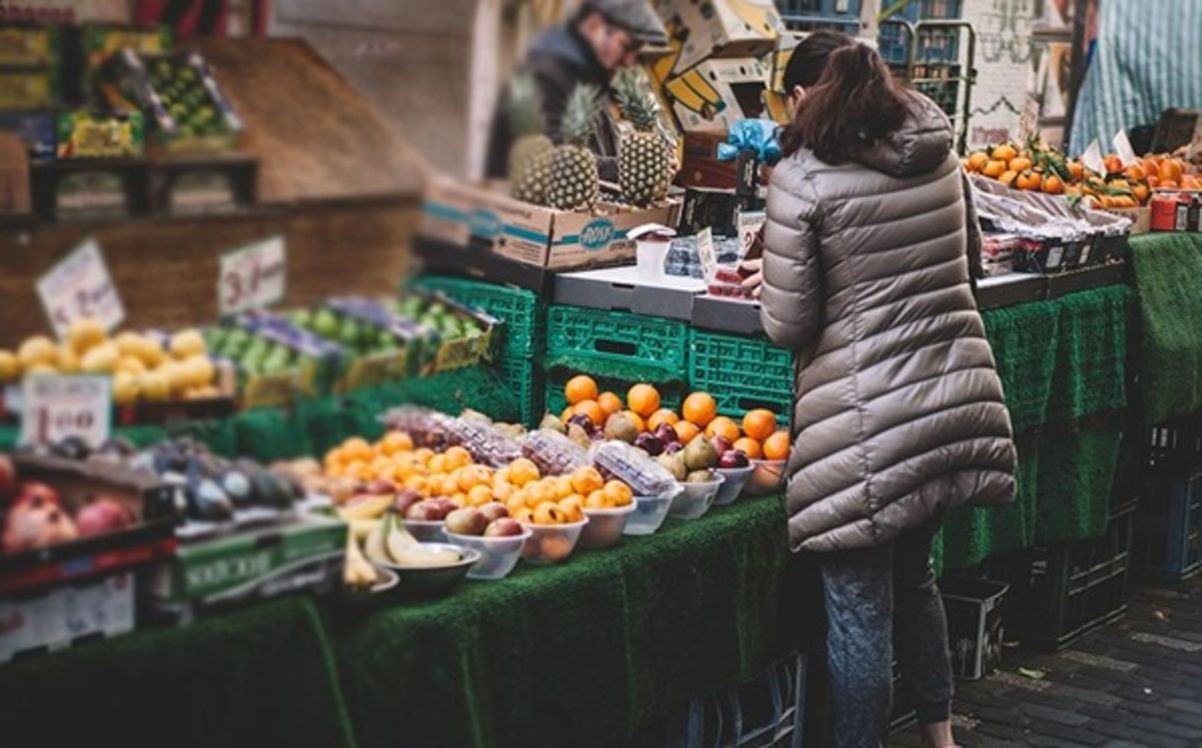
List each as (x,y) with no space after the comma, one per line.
(399,541)
(369,507)
(361,528)
(374,546)
(357,572)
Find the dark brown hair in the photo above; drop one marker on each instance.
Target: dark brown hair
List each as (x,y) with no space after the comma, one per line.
(809,58)
(855,101)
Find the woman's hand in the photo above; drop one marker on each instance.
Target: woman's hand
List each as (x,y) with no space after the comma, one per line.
(754,270)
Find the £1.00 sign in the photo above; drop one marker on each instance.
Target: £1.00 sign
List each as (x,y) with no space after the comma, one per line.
(54,407)
(251,277)
(79,286)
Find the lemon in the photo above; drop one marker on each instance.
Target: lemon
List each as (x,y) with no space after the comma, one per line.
(37,350)
(101,359)
(154,386)
(177,375)
(129,343)
(10,367)
(130,364)
(187,343)
(84,334)
(68,359)
(125,388)
(200,370)
(150,352)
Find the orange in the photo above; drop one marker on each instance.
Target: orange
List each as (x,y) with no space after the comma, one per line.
(396,441)
(587,479)
(636,419)
(1053,186)
(591,409)
(1019,164)
(1171,170)
(643,399)
(419,483)
(502,491)
(522,472)
(699,408)
(759,423)
(1008,177)
(580,388)
(618,492)
(1076,170)
(1191,182)
(724,427)
(1029,180)
(994,168)
(562,486)
(596,500)
(357,448)
(438,464)
(1153,180)
(573,507)
(1004,152)
(663,415)
(609,402)
(1141,193)
(1114,164)
(750,447)
(1168,184)
(539,493)
(516,503)
(457,457)
(776,447)
(686,431)
(977,160)
(474,475)
(1135,173)
(479,495)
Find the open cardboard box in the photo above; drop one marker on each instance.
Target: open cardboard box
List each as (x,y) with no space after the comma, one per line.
(730,28)
(461,214)
(717,93)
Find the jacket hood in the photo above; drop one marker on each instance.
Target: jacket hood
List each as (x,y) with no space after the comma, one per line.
(919,146)
(561,43)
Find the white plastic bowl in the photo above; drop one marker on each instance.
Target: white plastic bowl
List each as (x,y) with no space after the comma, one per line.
(695,499)
(498,553)
(427,531)
(732,487)
(769,477)
(605,526)
(649,513)
(550,544)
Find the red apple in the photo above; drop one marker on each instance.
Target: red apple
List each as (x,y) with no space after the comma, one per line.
(733,458)
(494,510)
(443,506)
(505,526)
(721,444)
(102,514)
(405,498)
(379,486)
(467,521)
(666,434)
(35,523)
(39,492)
(424,511)
(649,443)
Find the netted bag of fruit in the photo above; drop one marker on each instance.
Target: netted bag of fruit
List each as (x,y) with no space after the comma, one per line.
(427,428)
(634,467)
(554,453)
(487,445)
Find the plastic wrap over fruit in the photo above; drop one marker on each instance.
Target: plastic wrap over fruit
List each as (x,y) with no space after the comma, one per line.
(627,463)
(487,445)
(554,453)
(427,428)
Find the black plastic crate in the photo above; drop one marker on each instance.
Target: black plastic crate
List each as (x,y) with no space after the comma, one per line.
(974,624)
(1065,590)
(1168,531)
(1175,447)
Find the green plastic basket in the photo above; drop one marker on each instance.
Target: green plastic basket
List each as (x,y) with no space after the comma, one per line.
(525,379)
(741,373)
(617,337)
(522,311)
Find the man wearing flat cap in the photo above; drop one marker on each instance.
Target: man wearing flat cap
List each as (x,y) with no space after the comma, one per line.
(602,37)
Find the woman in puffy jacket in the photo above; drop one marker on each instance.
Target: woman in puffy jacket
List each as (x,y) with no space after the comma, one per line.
(898,412)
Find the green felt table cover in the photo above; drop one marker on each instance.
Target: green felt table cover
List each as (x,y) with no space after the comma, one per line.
(1168,267)
(584,653)
(262,676)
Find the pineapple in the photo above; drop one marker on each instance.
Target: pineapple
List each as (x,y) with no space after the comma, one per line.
(574,183)
(644,158)
(529,163)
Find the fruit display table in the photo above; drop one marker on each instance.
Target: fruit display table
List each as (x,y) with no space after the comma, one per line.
(1167,268)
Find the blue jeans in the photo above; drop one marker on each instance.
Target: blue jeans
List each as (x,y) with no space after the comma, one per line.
(877,598)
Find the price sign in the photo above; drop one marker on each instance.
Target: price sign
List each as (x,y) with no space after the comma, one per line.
(80,286)
(1122,146)
(251,277)
(750,223)
(705,252)
(56,406)
(1092,158)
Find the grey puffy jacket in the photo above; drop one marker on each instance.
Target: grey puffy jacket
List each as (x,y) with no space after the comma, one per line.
(898,407)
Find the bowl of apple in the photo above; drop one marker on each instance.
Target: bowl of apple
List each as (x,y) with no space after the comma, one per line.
(736,470)
(490,530)
(425,519)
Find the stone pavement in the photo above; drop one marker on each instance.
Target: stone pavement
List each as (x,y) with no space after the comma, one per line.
(1137,682)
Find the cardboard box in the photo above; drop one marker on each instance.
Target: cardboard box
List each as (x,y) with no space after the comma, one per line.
(15,197)
(700,166)
(719,28)
(716,93)
(624,289)
(56,618)
(460,214)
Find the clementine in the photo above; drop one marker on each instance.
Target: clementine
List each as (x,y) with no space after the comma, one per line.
(609,402)
(699,408)
(643,399)
(663,415)
(636,419)
(686,431)
(1004,152)
(591,409)
(724,427)
(776,447)
(750,447)
(1170,170)
(759,423)
(580,388)
(977,160)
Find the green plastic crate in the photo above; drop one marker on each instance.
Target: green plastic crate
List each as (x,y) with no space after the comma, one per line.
(522,311)
(525,378)
(617,337)
(741,373)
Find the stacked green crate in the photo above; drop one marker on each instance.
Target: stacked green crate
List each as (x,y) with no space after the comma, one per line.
(520,344)
(741,373)
(616,348)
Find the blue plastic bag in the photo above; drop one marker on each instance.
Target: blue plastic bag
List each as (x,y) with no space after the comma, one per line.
(757,135)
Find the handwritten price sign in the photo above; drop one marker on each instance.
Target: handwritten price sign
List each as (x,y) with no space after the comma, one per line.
(80,286)
(57,406)
(705,252)
(252,277)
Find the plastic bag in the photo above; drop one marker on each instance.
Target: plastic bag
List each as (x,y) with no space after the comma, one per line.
(758,135)
(645,476)
(554,453)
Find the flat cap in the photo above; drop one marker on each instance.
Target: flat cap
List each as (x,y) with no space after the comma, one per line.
(636,16)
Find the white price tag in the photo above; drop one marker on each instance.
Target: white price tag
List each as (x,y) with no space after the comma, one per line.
(750,224)
(705,252)
(252,277)
(1122,146)
(80,286)
(1092,158)
(55,406)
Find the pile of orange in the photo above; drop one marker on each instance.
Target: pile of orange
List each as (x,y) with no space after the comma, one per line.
(558,499)
(1038,167)
(756,435)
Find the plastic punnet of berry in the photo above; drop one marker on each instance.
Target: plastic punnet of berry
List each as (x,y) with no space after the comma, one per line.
(487,445)
(631,465)
(554,453)
(427,428)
